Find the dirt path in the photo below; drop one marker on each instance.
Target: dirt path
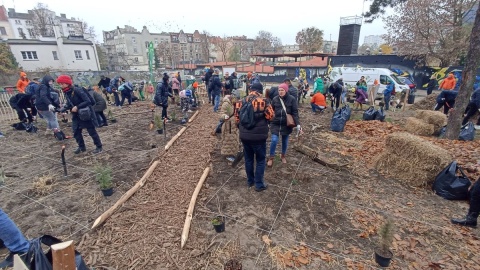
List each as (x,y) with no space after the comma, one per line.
(145,232)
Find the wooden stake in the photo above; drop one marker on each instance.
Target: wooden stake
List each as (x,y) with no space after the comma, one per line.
(63,256)
(193,116)
(191,206)
(125,196)
(170,143)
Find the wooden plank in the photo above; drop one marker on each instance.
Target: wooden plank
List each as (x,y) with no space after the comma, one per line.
(63,256)
(191,206)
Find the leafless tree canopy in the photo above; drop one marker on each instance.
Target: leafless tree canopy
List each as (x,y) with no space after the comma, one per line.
(430,29)
(222,45)
(265,42)
(205,45)
(43,20)
(310,39)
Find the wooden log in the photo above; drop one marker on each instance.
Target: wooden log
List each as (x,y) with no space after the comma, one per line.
(191,206)
(193,116)
(170,143)
(125,196)
(315,156)
(63,256)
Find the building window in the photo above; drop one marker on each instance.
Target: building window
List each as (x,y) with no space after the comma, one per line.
(28,22)
(87,53)
(18,22)
(155,41)
(20,32)
(55,55)
(78,54)
(71,33)
(3,31)
(133,40)
(135,59)
(29,55)
(31,32)
(135,50)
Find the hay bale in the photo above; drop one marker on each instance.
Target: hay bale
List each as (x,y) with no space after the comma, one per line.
(436,118)
(411,159)
(427,103)
(419,127)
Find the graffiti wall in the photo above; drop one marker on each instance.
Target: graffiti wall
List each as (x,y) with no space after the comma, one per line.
(401,66)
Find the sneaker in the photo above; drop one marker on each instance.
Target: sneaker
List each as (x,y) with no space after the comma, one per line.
(265,186)
(231,159)
(79,150)
(477,127)
(97,150)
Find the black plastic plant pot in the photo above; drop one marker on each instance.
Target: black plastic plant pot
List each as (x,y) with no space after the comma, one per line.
(382,259)
(107,192)
(219,224)
(113,120)
(160,131)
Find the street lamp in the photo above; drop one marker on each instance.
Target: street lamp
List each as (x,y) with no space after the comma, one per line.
(191,65)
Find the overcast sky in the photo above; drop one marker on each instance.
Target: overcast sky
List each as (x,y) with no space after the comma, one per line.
(244,17)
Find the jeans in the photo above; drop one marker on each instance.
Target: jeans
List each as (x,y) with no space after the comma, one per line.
(315,107)
(217,102)
(258,151)
(101,117)
(273,144)
(209,93)
(386,99)
(117,98)
(51,118)
(77,134)
(11,236)
(127,95)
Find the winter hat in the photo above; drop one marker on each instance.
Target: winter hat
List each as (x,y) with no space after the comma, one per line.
(257,87)
(284,86)
(23,74)
(64,79)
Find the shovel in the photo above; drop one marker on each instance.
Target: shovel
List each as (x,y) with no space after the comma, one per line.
(238,156)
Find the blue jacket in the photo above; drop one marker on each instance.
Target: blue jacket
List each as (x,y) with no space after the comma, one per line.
(43,96)
(388,91)
(447,96)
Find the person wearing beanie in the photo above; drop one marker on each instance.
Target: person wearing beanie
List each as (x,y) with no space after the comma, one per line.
(162,93)
(215,88)
(253,135)
(46,105)
(22,82)
(282,105)
(78,102)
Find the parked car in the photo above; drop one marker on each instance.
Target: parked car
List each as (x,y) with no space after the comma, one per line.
(410,83)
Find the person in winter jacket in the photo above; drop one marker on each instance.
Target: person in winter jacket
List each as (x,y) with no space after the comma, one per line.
(114,85)
(387,94)
(103,84)
(229,139)
(22,82)
(318,102)
(77,100)
(336,90)
(215,87)
(254,139)
(234,82)
(99,107)
(46,105)
(127,91)
(208,76)
(161,96)
(291,89)
(446,99)
(228,84)
(318,86)
(175,85)
(23,104)
(272,93)
(448,83)
(472,108)
(474,210)
(431,85)
(282,105)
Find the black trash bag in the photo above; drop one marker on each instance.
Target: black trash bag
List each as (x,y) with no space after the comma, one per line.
(338,121)
(346,112)
(450,186)
(37,260)
(467,133)
(20,126)
(370,114)
(31,128)
(380,116)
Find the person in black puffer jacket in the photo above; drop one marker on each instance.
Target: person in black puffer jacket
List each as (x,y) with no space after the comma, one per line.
(278,125)
(472,108)
(76,100)
(23,104)
(162,93)
(291,89)
(99,107)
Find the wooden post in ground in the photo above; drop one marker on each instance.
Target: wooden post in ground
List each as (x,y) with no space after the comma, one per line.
(63,256)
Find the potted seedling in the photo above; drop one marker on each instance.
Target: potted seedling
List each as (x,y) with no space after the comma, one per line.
(104,178)
(383,254)
(218,223)
(159,124)
(111,118)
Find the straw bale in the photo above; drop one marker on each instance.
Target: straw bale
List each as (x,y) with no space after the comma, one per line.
(436,118)
(411,159)
(427,103)
(419,127)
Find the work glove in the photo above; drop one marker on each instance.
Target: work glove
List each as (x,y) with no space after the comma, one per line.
(51,108)
(226,116)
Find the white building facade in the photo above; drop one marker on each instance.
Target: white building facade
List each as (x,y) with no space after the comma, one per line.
(373,40)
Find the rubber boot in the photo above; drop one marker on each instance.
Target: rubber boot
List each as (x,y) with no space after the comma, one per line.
(270,161)
(284,160)
(470,220)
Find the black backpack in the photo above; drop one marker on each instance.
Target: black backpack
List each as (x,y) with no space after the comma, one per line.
(247,114)
(90,97)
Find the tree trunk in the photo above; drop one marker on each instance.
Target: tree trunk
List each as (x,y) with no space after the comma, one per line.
(468,78)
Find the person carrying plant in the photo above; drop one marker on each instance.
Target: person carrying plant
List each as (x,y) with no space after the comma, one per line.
(78,102)
(282,105)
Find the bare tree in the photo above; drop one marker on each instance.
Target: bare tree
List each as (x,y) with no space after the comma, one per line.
(205,45)
(430,29)
(85,29)
(310,39)
(264,41)
(164,53)
(222,45)
(277,44)
(43,20)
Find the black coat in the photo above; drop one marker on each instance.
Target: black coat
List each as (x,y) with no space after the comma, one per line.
(278,125)
(432,84)
(208,76)
(43,96)
(216,85)
(162,93)
(100,103)
(21,101)
(476,98)
(105,82)
(293,91)
(77,97)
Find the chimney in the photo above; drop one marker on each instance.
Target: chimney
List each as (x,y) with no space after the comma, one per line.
(63,15)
